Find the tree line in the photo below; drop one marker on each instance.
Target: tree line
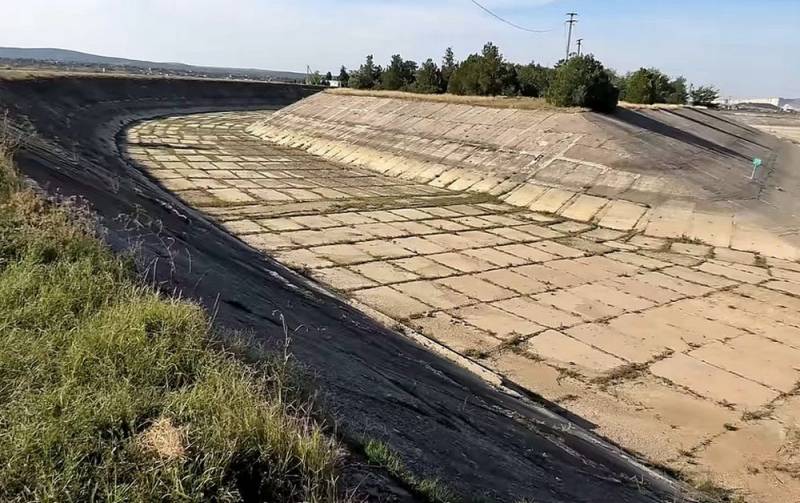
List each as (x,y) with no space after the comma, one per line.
(578,81)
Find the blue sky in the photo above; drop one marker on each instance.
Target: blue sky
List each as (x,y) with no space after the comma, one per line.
(747,48)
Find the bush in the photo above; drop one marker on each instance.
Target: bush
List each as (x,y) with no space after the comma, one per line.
(583,81)
(534,80)
(705,96)
(647,86)
(650,85)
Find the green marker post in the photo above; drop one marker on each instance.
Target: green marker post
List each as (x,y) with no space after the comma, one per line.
(756,164)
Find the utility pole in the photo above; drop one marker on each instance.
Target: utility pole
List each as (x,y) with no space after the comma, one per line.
(571,21)
(580,43)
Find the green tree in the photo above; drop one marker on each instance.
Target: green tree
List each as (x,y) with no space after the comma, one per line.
(492,74)
(648,85)
(392,77)
(705,96)
(534,80)
(679,94)
(583,81)
(399,74)
(464,80)
(344,77)
(365,77)
(409,74)
(485,74)
(509,80)
(449,67)
(618,81)
(428,78)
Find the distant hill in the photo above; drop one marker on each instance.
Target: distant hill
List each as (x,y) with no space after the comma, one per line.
(67,57)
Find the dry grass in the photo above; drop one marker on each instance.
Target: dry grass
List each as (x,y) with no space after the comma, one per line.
(164,440)
(111,392)
(481,101)
(644,106)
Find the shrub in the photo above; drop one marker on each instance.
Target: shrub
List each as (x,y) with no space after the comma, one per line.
(647,85)
(583,81)
(534,80)
(650,85)
(705,96)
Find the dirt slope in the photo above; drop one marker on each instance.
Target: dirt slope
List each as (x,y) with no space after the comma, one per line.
(445,421)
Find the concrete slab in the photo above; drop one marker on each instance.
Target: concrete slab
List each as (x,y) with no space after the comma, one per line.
(342,278)
(425,267)
(456,334)
(622,345)
(570,353)
(583,207)
(384,273)
(757,358)
(461,262)
(496,321)
(713,229)
(713,383)
(524,195)
(696,250)
(538,312)
(434,294)
(476,288)
(391,302)
(342,254)
(552,200)
(621,215)
(496,257)
(587,309)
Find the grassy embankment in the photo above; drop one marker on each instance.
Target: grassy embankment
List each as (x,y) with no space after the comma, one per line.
(112,392)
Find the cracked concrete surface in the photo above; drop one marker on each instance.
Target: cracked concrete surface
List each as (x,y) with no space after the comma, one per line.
(668,342)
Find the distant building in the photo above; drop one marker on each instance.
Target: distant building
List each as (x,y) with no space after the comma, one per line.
(785,104)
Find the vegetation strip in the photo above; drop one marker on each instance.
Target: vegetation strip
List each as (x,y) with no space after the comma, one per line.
(577,81)
(110,391)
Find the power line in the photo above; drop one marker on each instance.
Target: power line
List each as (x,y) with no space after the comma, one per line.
(506,21)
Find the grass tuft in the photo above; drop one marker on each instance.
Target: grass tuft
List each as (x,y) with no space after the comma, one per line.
(111,392)
(430,489)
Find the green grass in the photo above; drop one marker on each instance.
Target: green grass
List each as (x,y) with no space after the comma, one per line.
(429,489)
(112,392)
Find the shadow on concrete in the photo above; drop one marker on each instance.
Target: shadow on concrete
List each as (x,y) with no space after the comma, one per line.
(648,123)
(683,114)
(718,116)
